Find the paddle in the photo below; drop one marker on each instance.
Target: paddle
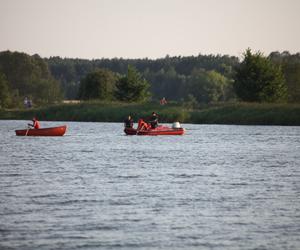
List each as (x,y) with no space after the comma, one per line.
(27,130)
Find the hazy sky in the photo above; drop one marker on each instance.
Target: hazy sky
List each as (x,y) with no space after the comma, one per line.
(148,28)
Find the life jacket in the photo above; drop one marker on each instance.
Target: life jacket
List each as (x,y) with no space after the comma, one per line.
(142,125)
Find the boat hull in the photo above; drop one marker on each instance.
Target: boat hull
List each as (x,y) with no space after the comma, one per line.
(55,131)
(161,130)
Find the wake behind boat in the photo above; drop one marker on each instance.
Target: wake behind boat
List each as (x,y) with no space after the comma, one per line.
(53,131)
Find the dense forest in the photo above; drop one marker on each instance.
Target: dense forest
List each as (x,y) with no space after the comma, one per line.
(202,78)
(169,77)
(191,79)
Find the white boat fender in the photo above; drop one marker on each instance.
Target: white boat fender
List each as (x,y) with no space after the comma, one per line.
(176,125)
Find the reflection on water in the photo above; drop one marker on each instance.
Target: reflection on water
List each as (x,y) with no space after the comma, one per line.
(217,187)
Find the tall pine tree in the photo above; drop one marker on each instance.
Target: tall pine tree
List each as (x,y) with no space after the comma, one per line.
(132,87)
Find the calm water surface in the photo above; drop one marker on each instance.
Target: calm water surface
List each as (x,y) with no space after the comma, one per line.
(217,187)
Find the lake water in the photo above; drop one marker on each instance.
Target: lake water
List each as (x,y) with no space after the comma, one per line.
(217,187)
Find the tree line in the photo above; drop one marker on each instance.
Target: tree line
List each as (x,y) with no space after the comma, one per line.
(199,79)
(169,77)
(192,79)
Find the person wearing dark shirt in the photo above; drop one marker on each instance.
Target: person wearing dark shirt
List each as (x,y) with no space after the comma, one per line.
(153,120)
(128,122)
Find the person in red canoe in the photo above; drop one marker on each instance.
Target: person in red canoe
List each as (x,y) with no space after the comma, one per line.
(35,124)
(153,120)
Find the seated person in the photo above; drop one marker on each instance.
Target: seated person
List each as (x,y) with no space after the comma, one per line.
(128,123)
(36,123)
(142,125)
(153,120)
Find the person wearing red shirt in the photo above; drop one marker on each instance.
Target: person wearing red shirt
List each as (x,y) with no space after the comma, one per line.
(36,123)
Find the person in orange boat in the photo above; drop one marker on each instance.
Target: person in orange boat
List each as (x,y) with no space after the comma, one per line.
(142,125)
(35,124)
(128,123)
(154,120)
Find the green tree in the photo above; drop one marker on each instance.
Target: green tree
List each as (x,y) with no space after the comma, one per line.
(5,96)
(132,87)
(48,89)
(208,86)
(99,84)
(290,64)
(29,76)
(257,79)
(292,76)
(190,102)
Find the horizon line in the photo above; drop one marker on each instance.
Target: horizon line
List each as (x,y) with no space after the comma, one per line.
(147,58)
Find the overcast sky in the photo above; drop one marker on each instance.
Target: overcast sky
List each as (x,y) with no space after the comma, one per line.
(148,28)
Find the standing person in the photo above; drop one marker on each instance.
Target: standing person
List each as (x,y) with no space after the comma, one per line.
(153,120)
(29,103)
(25,102)
(36,123)
(128,122)
(163,101)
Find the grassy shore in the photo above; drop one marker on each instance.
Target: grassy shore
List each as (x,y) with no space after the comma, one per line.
(230,113)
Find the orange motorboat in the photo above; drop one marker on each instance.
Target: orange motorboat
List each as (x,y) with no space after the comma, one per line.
(160,130)
(145,129)
(54,131)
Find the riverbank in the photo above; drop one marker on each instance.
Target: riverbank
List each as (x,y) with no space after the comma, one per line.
(229,113)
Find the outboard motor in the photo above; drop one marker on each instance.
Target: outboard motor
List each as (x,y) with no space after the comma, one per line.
(176,125)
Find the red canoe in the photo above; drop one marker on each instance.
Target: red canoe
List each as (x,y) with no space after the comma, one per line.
(55,131)
(160,130)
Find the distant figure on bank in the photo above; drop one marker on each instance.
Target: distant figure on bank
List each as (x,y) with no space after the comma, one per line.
(35,123)
(163,101)
(25,102)
(128,122)
(153,120)
(29,103)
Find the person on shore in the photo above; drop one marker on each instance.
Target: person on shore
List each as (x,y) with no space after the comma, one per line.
(163,101)
(154,120)
(25,102)
(35,123)
(128,122)
(29,103)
